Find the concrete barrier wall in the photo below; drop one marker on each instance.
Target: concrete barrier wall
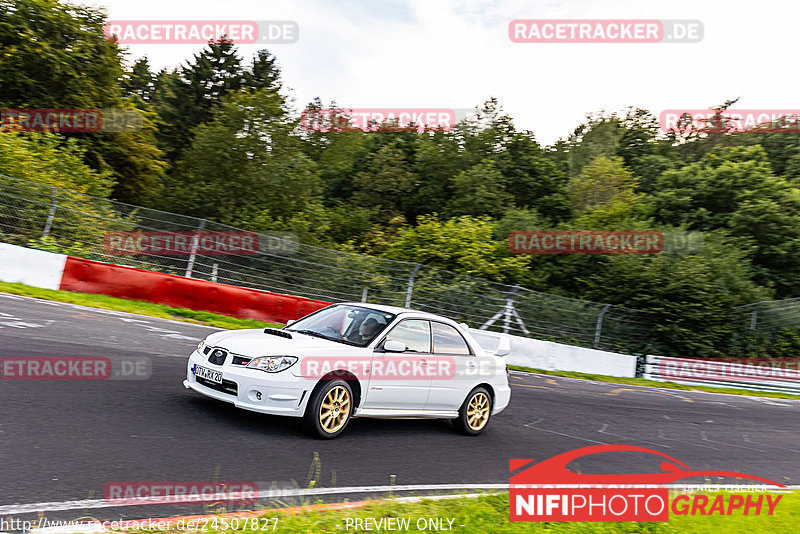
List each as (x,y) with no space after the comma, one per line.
(551,356)
(31,267)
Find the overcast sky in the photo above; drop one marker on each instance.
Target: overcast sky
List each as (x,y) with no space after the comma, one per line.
(457,53)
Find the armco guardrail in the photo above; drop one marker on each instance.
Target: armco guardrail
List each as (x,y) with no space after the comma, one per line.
(756,374)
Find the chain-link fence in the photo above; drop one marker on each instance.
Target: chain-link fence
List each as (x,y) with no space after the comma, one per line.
(33,214)
(770,316)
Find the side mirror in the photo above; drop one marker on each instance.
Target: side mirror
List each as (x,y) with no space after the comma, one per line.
(394,346)
(290,322)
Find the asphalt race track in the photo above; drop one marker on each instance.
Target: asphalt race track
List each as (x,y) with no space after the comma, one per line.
(65,440)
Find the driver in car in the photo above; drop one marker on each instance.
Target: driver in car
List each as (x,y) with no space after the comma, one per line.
(368,330)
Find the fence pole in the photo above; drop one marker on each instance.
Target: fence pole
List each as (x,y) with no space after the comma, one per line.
(193,253)
(754,315)
(52,213)
(364,295)
(598,327)
(508,312)
(214,272)
(411,284)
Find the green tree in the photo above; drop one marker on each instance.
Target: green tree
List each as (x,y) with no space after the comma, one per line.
(735,190)
(601,135)
(246,162)
(188,96)
(603,182)
(192,93)
(479,190)
(461,244)
(532,179)
(387,183)
(49,159)
(139,81)
(337,153)
(688,298)
(438,159)
(29,165)
(54,54)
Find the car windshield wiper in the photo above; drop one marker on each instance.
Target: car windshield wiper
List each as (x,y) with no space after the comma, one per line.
(323,336)
(311,333)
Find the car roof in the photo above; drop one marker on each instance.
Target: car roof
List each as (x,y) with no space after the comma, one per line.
(394,309)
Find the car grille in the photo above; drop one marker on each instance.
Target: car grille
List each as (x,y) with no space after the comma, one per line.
(239,360)
(228,386)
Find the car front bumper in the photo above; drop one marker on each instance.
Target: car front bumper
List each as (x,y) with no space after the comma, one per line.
(271,393)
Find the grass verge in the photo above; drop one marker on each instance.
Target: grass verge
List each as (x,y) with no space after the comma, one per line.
(134,306)
(654,383)
(489,514)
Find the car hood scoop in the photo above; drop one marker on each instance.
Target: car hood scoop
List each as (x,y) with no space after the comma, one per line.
(255,343)
(279,333)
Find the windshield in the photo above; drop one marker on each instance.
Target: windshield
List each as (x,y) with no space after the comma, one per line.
(353,325)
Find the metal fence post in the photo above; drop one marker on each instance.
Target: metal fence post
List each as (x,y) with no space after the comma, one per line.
(52,213)
(754,315)
(598,327)
(411,284)
(508,313)
(193,253)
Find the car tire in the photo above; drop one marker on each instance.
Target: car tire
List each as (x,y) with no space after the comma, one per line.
(474,415)
(329,410)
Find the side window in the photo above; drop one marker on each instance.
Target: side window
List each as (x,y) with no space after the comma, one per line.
(415,333)
(447,340)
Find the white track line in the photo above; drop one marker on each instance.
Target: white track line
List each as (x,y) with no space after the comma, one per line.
(115,313)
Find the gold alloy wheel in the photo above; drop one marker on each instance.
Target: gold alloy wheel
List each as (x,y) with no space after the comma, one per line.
(335,409)
(478,411)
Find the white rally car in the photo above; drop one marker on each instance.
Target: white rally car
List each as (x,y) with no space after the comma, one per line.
(355,360)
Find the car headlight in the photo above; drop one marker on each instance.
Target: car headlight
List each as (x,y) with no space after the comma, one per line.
(272,364)
(201,345)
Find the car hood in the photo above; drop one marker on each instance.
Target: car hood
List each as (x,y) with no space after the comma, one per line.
(254,342)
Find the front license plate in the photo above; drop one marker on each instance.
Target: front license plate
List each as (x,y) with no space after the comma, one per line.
(208,374)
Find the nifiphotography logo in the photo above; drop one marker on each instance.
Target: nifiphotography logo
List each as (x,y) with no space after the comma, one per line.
(548,491)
